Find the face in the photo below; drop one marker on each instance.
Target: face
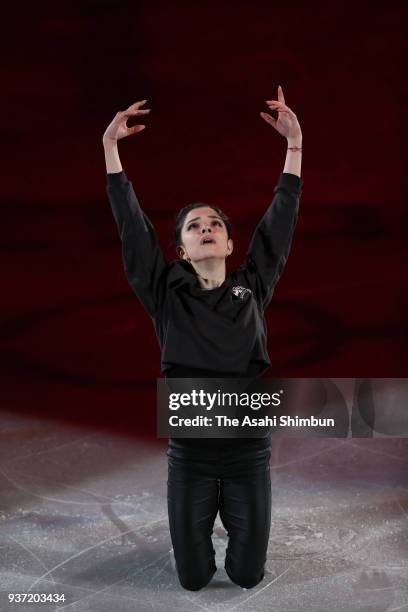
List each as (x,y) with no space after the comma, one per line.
(204,235)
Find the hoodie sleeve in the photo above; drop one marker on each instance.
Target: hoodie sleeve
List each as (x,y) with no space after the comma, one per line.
(142,257)
(271,241)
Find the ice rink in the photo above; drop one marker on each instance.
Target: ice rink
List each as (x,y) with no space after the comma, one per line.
(83,513)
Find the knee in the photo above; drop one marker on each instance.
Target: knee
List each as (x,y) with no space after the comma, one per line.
(193,583)
(191,586)
(246,580)
(194,576)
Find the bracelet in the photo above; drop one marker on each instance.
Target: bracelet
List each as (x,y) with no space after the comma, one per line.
(294,148)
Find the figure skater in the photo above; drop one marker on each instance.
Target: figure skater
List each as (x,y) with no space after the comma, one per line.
(211,324)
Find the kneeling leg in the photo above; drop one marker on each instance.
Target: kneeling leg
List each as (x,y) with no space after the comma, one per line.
(192,508)
(245,510)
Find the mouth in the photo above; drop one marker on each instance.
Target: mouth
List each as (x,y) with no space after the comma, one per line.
(207,240)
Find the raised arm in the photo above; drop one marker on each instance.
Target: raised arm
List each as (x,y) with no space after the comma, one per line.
(117,130)
(287,125)
(271,241)
(142,257)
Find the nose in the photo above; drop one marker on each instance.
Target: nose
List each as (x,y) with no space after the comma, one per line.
(203,230)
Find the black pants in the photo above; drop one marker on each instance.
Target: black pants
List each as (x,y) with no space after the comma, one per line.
(234,479)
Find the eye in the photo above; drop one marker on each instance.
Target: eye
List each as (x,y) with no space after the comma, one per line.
(194,224)
(217,223)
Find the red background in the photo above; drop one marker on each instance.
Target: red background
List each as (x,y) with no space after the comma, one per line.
(75,340)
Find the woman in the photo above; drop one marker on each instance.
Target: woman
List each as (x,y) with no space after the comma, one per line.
(210,324)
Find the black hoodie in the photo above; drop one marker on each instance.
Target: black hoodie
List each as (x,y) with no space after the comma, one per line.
(221,330)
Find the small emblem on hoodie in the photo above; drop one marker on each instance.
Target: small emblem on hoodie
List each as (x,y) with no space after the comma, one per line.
(241,293)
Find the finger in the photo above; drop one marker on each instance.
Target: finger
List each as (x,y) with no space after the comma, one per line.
(279,106)
(268,119)
(276,103)
(285,109)
(136,106)
(280,94)
(136,128)
(132,113)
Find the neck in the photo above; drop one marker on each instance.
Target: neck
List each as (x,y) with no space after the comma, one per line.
(210,273)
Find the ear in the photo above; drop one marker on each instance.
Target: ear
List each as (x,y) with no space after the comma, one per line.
(180,252)
(230,246)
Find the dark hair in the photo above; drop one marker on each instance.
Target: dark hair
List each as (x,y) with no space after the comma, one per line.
(182,214)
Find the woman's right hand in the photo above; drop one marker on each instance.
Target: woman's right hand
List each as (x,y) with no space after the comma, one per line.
(118,129)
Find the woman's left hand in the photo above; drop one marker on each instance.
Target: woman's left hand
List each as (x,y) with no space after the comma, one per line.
(286,124)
